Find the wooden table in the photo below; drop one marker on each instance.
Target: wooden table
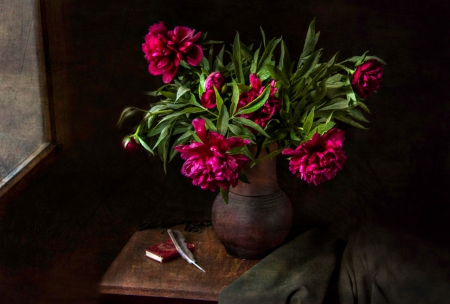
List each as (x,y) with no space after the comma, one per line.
(132,273)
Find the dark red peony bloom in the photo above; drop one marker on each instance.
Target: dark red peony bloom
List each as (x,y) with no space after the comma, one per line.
(131,146)
(319,159)
(208,163)
(165,49)
(367,78)
(265,113)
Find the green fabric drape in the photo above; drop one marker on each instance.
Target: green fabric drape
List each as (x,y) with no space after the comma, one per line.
(375,265)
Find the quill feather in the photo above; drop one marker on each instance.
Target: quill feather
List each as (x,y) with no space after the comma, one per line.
(181,246)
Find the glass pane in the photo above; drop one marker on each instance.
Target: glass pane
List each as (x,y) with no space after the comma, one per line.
(22,115)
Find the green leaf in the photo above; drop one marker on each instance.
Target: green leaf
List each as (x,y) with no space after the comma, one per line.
(163,150)
(158,128)
(335,79)
(181,91)
(306,69)
(183,112)
(257,103)
(255,61)
(179,141)
(323,128)
(248,55)
(218,64)
(357,115)
(238,59)
(263,74)
(377,58)
(361,59)
(127,112)
(263,36)
(243,178)
(286,103)
(364,107)
(205,64)
(211,42)
(277,74)
(201,86)
(294,135)
(351,96)
(194,102)
(210,56)
(224,194)
(222,121)
(349,121)
(250,124)
(234,97)
(336,104)
(144,144)
(164,133)
(300,105)
(169,95)
(285,60)
(310,42)
(209,124)
(266,56)
(272,154)
(236,130)
(309,121)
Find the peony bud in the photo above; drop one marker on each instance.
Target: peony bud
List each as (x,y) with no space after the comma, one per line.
(208,99)
(367,78)
(215,79)
(131,145)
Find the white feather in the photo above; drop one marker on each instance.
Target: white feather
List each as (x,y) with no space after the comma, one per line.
(181,246)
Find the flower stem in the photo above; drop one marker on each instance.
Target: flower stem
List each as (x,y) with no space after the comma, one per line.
(349,71)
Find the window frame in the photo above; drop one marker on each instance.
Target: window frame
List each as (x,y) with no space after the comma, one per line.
(51,40)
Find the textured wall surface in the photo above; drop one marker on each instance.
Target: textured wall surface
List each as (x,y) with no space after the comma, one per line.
(59,237)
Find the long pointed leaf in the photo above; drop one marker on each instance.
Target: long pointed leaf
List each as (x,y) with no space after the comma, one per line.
(234,97)
(250,124)
(222,121)
(256,103)
(308,122)
(238,59)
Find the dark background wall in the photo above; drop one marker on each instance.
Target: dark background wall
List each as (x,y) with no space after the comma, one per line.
(61,234)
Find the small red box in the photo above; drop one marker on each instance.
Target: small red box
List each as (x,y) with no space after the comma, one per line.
(164,251)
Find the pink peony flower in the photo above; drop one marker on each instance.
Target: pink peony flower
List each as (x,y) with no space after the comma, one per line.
(131,146)
(165,49)
(208,163)
(320,158)
(367,78)
(208,99)
(265,113)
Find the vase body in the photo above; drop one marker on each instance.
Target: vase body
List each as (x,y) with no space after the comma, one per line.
(258,216)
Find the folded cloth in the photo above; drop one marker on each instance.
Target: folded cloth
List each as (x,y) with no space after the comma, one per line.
(297,272)
(381,266)
(378,265)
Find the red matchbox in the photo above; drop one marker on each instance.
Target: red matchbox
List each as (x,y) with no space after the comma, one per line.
(164,251)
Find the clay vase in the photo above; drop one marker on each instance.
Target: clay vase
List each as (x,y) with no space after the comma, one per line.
(258,216)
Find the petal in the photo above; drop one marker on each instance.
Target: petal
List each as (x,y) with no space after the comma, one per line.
(169,74)
(199,127)
(195,55)
(237,142)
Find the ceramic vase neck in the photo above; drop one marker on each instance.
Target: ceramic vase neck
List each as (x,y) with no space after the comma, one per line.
(262,176)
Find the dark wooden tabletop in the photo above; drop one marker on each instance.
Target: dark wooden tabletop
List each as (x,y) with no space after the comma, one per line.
(132,273)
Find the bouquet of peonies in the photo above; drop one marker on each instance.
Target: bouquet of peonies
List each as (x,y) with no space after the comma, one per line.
(215,104)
